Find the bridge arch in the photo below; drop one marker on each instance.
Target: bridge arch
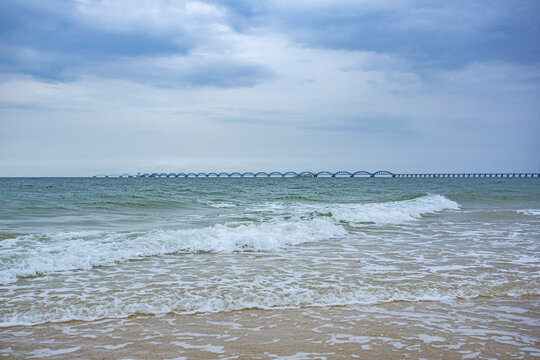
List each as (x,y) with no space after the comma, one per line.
(212,174)
(306,174)
(341,173)
(359,173)
(289,173)
(261,173)
(275,173)
(224,174)
(201,174)
(248,173)
(323,173)
(235,174)
(383,172)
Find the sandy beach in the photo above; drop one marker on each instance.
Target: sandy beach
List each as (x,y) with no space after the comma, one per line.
(466,329)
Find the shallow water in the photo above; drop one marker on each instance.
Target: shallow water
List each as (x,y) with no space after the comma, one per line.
(455,329)
(92,249)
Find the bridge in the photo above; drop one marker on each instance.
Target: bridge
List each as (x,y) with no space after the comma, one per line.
(469,175)
(320,174)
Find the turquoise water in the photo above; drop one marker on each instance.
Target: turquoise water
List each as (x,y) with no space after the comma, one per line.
(93,248)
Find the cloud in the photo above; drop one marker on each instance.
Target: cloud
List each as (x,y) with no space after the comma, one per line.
(405,85)
(439,34)
(169,18)
(66,40)
(181,71)
(52,44)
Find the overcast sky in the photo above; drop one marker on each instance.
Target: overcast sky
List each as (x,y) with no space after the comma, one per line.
(90,86)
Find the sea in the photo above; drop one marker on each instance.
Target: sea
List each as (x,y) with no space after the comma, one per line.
(290,268)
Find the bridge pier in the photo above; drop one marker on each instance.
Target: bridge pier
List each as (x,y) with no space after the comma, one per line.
(322,174)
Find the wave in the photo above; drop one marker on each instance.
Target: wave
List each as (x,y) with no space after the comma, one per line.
(529,212)
(32,255)
(39,254)
(251,296)
(222,205)
(395,212)
(383,213)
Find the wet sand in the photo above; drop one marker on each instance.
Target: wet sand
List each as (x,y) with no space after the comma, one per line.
(460,329)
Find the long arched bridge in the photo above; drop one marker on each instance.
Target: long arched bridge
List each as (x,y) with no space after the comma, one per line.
(310,174)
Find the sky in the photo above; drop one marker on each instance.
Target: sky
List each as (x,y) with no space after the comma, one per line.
(102,86)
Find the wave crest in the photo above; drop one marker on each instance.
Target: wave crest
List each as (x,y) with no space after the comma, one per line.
(382,213)
(37,254)
(32,255)
(394,212)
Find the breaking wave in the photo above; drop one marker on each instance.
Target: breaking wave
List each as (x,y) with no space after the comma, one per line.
(529,212)
(253,295)
(32,255)
(38,254)
(395,212)
(383,213)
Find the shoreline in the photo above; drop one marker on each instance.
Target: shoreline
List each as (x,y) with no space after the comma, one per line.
(477,328)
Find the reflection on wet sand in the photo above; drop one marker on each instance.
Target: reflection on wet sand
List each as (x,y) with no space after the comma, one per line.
(458,329)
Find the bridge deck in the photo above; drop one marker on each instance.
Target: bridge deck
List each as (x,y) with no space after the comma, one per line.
(309,174)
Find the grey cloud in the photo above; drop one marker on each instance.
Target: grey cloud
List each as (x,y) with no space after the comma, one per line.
(58,45)
(447,34)
(49,45)
(182,71)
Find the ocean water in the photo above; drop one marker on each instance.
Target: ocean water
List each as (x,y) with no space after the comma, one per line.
(96,248)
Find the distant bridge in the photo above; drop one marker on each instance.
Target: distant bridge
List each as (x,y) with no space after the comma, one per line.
(468,175)
(309,174)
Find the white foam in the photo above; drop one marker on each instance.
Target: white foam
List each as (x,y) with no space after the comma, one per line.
(42,353)
(35,254)
(383,213)
(221,205)
(530,212)
(394,212)
(6,351)
(427,339)
(257,294)
(42,254)
(216,349)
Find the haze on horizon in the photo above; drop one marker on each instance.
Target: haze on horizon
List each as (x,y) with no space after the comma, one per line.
(107,86)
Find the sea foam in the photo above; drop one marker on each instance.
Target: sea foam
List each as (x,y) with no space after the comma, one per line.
(47,253)
(255,294)
(392,212)
(530,212)
(382,213)
(38,254)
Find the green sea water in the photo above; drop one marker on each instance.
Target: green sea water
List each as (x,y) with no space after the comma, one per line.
(94,248)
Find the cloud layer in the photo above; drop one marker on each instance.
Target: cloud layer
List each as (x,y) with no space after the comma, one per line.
(95,86)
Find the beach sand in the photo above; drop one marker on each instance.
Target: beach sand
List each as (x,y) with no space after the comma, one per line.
(458,329)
